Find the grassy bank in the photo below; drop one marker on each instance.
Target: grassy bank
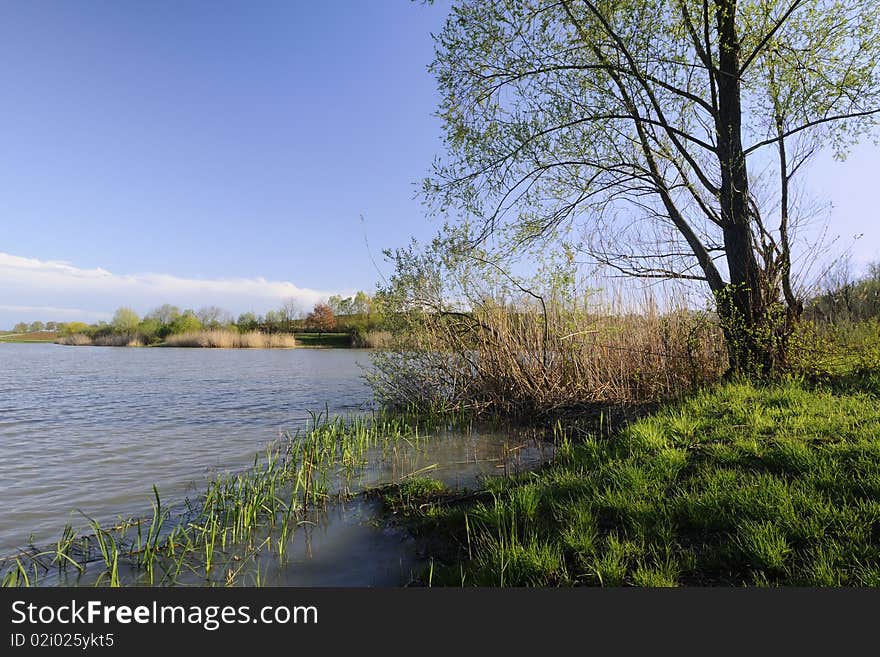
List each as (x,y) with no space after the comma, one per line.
(324,339)
(33,336)
(738,484)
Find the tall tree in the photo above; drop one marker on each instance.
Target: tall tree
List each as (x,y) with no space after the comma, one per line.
(652,126)
(289,310)
(321,318)
(125,320)
(213,316)
(165,314)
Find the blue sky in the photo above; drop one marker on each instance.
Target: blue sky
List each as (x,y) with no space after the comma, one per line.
(223,152)
(212,140)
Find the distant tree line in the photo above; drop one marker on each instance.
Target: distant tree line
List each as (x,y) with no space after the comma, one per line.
(355,315)
(35,327)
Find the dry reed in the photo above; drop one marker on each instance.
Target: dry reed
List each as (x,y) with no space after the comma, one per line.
(225,339)
(521,361)
(371,339)
(77,339)
(121,340)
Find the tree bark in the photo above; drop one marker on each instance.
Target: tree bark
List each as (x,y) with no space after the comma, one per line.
(741,305)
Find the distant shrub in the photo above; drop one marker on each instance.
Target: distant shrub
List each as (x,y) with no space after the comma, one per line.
(185,323)
(125,321)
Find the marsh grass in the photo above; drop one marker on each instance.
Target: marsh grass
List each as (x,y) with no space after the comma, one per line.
(240,517)
(226,339)
(513,361)
(77,340)
(371,339)
(214,338)
(738,484)
(118,340)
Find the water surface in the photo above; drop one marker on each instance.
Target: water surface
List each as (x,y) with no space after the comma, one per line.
(93,428)
(89,430)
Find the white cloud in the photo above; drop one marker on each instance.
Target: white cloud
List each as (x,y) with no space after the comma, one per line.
(56,313)
(32,289)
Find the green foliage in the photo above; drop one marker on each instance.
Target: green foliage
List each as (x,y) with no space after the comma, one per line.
(736,485)
(149,329)
(125,321)
(185,323)
(820,351)
(627,133)
(417,490)
(247,322)
(72,328)
(321,319)
(273,321)
(360,304)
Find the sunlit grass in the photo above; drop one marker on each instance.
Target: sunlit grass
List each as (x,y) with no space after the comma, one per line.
(739,484)
(240,516)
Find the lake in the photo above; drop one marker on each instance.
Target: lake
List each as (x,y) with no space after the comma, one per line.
(90,430)
(93,428)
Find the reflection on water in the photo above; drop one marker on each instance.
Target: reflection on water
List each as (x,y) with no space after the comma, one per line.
(348,542)
(348,546)
(91,429)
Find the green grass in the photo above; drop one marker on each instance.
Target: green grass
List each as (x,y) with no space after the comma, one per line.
(239,518)
(736,485)
(323,339)
(39,336)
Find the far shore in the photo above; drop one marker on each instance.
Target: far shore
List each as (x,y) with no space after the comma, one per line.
(201,339)
(267,341)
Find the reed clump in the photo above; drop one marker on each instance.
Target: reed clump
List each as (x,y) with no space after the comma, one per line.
(523,361)
(111,340)
(371,339)
(117,340)
(227,339)
(77,340)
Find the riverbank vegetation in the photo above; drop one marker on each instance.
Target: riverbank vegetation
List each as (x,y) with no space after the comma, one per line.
(227,339)
(671,469)
(722,429)
(342,322)
(28,336)
(238,529)
(662,143)
(738,484)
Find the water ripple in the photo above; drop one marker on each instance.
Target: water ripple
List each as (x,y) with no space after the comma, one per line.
(95,428)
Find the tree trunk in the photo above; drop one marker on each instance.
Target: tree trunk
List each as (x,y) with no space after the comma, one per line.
(740,306)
